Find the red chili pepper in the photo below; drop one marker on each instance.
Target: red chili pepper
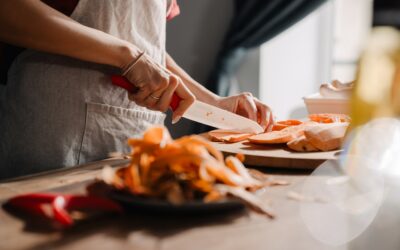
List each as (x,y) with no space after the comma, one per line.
(61,204)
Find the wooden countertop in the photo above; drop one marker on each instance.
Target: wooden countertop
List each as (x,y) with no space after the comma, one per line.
(237,230)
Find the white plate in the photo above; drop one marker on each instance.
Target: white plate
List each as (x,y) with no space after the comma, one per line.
(316,104)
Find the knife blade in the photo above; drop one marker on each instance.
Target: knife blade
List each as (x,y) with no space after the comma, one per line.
(203,113)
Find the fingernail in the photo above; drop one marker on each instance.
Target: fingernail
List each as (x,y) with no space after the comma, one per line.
(176,119)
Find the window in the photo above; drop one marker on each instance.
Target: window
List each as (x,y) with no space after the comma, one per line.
(324,46)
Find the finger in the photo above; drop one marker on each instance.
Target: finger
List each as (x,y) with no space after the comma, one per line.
(250,107)
(153,99)
(165,99)
(133,99)
(263,112)
(266,121)
(155,86)
(141,94)
(187,99)
(271,122)
(269,117)
(151,102)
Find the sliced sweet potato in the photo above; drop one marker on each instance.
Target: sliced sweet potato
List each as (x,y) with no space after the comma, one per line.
(301,144)
(326,137)
(283,136)
(329,118)
(228,136)
(279,125)
(274,137)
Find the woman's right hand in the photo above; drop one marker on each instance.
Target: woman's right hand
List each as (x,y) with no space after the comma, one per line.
(156,85)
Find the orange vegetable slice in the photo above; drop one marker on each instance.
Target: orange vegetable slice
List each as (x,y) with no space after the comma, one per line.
(283,136)
(279,125)
(329,118)
(228,136)
(274,137)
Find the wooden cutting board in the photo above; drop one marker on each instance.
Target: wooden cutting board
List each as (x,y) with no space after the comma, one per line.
(275,155)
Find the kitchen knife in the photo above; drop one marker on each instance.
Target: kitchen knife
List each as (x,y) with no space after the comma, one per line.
(203,113)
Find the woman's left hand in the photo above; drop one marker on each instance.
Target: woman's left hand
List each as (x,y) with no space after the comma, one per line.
(245,104)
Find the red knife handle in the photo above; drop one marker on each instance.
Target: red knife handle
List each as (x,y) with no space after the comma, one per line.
(122,82)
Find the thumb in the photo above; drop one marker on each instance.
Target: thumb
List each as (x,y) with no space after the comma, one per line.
(187,98)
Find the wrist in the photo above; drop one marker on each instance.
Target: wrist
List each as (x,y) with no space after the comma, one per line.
(202,94)
(126,54)
(215,100)
(210,98)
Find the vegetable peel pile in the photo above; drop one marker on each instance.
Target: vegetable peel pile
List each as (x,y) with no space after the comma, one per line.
(187,169)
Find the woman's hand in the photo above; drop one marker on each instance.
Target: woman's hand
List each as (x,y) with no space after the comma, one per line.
(245,104)
(156,85)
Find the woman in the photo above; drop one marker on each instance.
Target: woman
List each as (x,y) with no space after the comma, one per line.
(59,107)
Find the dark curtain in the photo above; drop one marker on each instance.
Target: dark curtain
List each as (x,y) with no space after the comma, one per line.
(387,13)
(254,23)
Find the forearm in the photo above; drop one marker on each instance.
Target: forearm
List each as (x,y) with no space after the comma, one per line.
(37,26)
(201,93)
(242,104)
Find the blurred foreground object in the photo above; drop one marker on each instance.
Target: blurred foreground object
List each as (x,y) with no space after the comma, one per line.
(377,88)
(376,107)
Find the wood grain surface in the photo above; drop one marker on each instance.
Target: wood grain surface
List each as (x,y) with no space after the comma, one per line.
(236,230)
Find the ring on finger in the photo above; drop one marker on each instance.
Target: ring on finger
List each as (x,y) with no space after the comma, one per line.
(155,97)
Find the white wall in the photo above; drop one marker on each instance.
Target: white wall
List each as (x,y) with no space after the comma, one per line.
(295,63)
(292,65)
(351,31)
(248,75)
(324,46)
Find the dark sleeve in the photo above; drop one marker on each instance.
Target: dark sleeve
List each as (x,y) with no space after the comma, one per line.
(64,6)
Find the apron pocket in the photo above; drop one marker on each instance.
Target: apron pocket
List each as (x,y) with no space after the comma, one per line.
(108,127)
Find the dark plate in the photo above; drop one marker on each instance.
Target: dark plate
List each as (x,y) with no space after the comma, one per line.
(147,205)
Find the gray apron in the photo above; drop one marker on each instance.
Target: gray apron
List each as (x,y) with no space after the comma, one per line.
(57,111)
